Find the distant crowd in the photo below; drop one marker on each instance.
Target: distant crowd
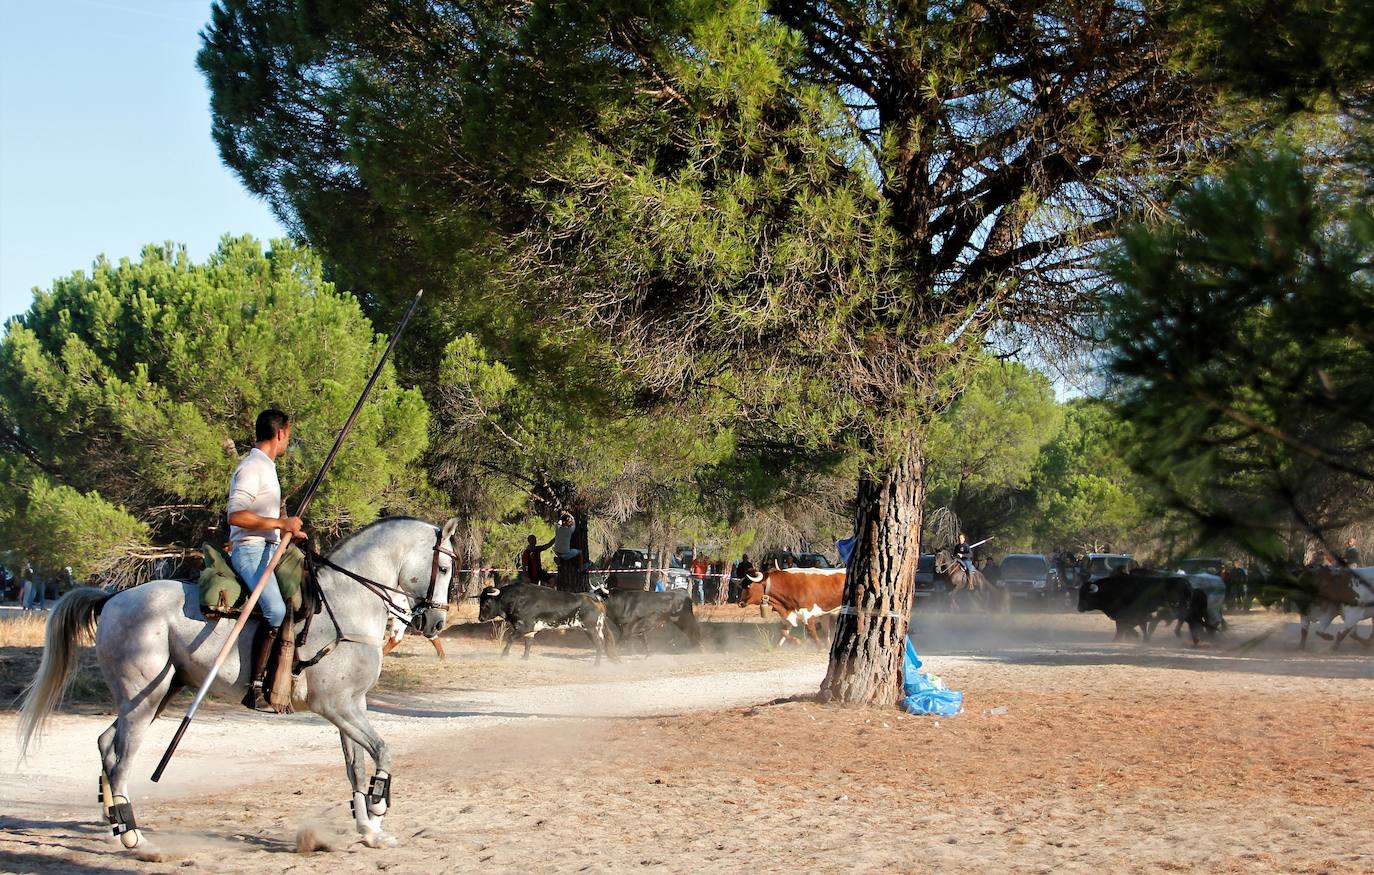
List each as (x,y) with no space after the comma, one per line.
(29,589)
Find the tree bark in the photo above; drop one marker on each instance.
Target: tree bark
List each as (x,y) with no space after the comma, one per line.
(870,632)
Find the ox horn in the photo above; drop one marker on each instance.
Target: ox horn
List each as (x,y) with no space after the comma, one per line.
(755,577)
(492,591)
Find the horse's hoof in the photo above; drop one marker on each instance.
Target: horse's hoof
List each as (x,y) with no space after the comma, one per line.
(379,839)
(131,839)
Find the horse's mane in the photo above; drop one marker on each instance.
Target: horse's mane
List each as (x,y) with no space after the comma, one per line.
(372,525)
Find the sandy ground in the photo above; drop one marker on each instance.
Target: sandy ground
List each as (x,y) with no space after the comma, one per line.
(1073,754)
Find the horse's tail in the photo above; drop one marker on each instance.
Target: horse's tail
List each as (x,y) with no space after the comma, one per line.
(72,618)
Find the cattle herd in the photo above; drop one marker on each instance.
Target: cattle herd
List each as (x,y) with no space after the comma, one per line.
(1137,601)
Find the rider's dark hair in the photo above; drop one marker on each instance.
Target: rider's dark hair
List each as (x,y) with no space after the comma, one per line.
(270,421)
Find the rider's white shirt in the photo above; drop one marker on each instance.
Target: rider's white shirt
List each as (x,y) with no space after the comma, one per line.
(255,488)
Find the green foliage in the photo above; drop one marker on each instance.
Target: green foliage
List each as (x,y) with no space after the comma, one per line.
(1241,339)
(588,445)
(138,384)
(1086,494)
(809,213)
(54,526)
(1290,54)
(983,451)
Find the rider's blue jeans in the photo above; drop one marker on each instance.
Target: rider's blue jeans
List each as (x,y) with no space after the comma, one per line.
(250,559)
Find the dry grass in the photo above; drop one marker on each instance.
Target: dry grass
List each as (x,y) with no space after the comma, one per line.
(21,649)
(22,629)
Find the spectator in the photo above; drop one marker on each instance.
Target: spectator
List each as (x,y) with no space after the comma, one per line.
(563,550)
(700,568)
(28,590)
(844,548)
(1352,553)
(743,569)
(530,564)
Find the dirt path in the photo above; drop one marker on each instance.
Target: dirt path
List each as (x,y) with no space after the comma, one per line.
(56,779)
(1243,757)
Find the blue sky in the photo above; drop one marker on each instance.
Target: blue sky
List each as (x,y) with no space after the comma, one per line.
(105,140)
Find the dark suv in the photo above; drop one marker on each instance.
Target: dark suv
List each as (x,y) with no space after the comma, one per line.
(926,584)
(1028,576)
(813,560)
(1095,566)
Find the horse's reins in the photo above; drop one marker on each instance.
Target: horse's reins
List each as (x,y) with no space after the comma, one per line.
(314,558)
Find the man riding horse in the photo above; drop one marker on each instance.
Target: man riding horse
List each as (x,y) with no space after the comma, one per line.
(955,564)
(256,526)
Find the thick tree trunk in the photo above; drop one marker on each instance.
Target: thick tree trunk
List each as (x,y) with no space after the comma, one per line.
(866,656)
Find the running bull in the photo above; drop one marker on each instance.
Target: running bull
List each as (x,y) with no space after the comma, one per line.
(528,609)
(1144,601)
(634,613)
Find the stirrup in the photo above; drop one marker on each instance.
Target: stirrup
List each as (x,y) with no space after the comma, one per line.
(252,698)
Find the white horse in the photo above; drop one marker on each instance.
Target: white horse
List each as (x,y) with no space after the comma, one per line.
(152,640)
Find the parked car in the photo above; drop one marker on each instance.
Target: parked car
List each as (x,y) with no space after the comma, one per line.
(1201,566)
(1220,583)
(926,584)
(626,559)
(1029,576)
(1095,566)
(813,560)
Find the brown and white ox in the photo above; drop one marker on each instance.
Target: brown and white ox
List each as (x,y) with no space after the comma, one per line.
(1347,592)
(799,595)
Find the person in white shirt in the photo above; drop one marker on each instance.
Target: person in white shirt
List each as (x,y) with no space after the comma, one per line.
(256,526)
(563,550)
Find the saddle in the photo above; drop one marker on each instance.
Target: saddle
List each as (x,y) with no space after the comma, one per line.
(222,594)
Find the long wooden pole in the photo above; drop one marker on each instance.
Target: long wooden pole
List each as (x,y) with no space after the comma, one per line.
(281,546)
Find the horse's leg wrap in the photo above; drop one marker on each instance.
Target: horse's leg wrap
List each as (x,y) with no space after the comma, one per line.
(369,825)
(120,816)
(379,794)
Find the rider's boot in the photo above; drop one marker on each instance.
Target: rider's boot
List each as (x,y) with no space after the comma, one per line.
(262,652)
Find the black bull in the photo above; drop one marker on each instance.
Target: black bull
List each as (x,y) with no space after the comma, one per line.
(1145,601)
(528,609)
(634,613)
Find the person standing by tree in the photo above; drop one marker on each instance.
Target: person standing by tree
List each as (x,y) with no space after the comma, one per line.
(530,564)
(26,587)
(563,550)
(1352,553)
(256,526)
(699,571)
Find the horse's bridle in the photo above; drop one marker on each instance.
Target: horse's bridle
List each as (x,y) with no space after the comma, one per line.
(419,606)
(428,602)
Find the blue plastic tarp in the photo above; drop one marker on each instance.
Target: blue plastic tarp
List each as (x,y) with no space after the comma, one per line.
(925,693)
(844,548)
